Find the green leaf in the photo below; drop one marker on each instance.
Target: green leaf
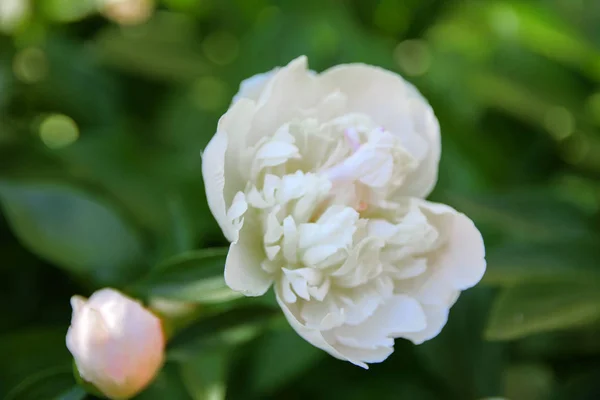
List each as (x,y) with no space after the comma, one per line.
(528,215)
(72,229)
(464,364)
(43,385)
(542,262)
(68,10)
(196,276)
(538,307)
(75,393)
(529,381)
(270,370)
(32,360)
(166,386)
(205,375)
(221,330)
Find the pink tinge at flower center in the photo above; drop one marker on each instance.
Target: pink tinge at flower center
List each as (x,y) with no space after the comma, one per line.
(371,168)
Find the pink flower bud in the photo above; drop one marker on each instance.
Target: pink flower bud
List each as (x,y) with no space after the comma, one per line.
(117,344)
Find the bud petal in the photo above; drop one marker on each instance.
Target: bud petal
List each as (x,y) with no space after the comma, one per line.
(117,344)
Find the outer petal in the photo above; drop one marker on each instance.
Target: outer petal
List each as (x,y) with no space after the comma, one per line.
(436,318)
(313,336)
(457,264)
(290,90)
(398,106)
(462,257)
(243,272)
(421,182)
(221,169)
(373,340)
(252,87)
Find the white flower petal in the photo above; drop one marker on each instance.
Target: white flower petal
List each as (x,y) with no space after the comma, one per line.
(219,160)
(436,319)
(252,87)
(243,272)
(462,258)
(400,109)
(313,336)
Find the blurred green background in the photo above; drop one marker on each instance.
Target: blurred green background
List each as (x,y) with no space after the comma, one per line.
(104,111)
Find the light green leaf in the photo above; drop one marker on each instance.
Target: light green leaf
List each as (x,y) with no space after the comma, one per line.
(220,330)
(278,358)
(196,276)
(205,375)
(533,308)
(544,262)
(72,229)
(68,10)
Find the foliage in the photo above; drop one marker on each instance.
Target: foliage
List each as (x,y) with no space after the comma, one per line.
(101,128)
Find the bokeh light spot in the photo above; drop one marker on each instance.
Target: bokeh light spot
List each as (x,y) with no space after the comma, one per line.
(504,20)
(221,47)
(413,57)
(13,13)
(58,131)
(209,93)
(30,65)
(128,12)
(559,122)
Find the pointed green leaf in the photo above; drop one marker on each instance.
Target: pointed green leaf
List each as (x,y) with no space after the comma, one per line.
(533,308)
(543,262)
(220,330)
(196,276)
(72,229)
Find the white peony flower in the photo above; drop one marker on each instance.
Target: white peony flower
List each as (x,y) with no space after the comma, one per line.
(117,344)
(318,181)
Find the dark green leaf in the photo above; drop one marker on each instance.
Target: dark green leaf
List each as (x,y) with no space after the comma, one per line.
(166,386)
(467,365)
(529,215)
(32,360)
(562,261)
(529,381)
(72,229)
(75,393)
(43,385)
(270,369)
(526,309)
